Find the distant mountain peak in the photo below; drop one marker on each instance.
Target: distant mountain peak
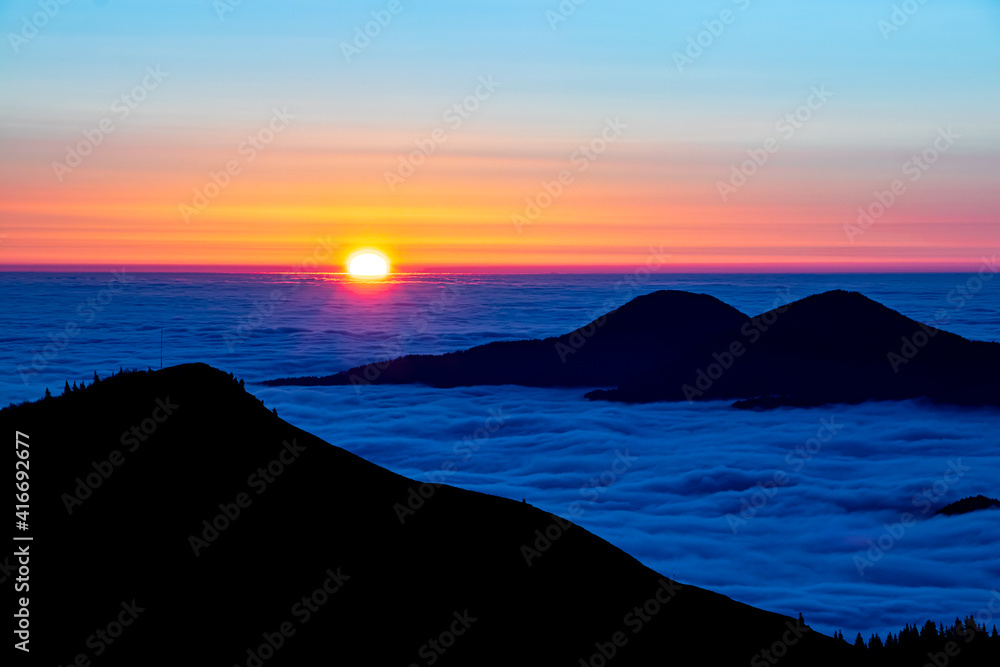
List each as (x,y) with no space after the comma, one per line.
(838,346)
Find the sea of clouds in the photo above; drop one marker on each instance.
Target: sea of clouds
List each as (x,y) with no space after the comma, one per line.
(825,511)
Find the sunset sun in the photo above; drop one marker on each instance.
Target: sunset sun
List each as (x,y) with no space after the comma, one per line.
(368,265)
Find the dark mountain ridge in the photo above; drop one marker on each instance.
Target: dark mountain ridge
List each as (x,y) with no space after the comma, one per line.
(827,348)
(834,347)
(177,502)
(171,512)
(970,504)
(617,346)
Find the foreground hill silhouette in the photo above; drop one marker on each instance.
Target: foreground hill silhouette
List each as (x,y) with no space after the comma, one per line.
(832,347)
(174,503)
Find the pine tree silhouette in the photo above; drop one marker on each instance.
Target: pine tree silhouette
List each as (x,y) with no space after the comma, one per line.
(66,389)
(971,629)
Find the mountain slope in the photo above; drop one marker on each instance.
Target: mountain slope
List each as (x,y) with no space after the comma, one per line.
(668,345)
(177,502)
(652,329)
(832,347)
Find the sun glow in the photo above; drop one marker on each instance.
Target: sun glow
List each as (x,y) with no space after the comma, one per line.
(368,265)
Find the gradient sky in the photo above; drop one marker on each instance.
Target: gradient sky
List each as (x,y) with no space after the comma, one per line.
(323,177)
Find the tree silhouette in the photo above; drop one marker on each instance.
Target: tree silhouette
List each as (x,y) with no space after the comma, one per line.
(971,629)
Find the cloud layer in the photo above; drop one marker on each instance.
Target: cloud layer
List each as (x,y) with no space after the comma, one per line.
(826,511)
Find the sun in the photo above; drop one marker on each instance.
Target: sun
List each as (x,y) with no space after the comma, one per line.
(368,264)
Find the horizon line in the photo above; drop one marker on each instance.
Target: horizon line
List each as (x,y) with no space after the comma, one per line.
(707,269)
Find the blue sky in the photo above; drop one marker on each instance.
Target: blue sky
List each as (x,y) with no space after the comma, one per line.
(892,90)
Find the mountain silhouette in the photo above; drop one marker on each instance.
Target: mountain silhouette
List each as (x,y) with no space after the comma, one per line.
(970,504)
(834,347)
(173,514)
(616,347)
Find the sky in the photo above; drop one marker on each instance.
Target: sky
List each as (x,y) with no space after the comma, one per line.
(521,135)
